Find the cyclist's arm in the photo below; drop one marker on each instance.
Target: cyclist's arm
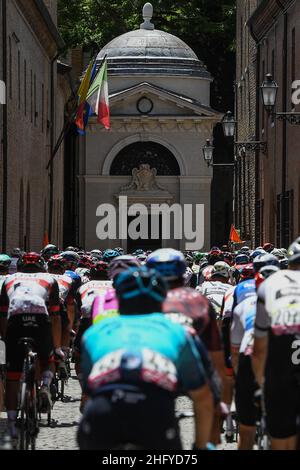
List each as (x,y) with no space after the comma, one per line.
(260,348)
(86,367)
(237,332)
(193,378)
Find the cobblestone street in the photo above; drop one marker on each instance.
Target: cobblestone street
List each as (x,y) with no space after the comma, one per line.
(66,416)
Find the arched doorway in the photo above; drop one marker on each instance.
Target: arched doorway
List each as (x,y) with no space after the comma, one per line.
(165,163)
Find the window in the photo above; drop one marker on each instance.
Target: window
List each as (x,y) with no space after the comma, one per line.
(293,55)
(43,106)
(31,96)
(35,102)
(10,69)
(150,153)
(25,87)
(19,80)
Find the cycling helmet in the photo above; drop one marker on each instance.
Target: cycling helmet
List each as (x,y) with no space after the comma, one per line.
(5,262)
(278,253)
(71,248)
(75,278)
(71,259)
(225,248)
(257,253)
(268,247)
(56,262)
(142,258)
(264,273)
(294,253)
(109,255)
(284,251)
(284,263)
(31,262)
(141,283)
(198,256)
(138,252)
(242,259)
(246,272)
(220,269)
(170,263)
(85,262)
(48,251)
(229,259)
(265,260)
(99,269)
(16,253)
(245,250)
(121,264)
(214,256)
(120,250)
(96,254)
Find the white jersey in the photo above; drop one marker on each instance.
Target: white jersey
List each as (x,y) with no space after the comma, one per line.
(214,291)
(24,293)
(279,305)
(242,329)
(87,294)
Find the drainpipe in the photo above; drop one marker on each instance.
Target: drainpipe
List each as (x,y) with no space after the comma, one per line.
(4,139)
(52,142)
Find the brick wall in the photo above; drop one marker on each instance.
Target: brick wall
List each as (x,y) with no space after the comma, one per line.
(29,128)
(246,117)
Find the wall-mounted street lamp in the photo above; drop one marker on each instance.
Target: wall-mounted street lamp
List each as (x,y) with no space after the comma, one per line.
(269,92)
(229,129)
(208,154)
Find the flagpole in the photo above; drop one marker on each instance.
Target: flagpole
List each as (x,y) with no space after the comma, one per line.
(69,122)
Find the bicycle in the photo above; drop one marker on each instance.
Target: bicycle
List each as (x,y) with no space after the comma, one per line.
(28,407)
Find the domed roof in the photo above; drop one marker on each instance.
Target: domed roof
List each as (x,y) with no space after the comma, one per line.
(150,51)
(148,44)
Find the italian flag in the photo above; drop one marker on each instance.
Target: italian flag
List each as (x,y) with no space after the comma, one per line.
(97,96)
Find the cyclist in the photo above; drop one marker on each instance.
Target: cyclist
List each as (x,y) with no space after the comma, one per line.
(5,262)
(215,289)
(86,295)
(135,381)
(109,255)
(67,293)
(29,301)
(276,368)
(171,265)
(121,264)
(49,251)
(242,337)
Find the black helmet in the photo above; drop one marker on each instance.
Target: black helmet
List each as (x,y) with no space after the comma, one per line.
(49,251)
(294,253)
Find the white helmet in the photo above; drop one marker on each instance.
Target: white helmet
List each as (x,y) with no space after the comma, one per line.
(221,269)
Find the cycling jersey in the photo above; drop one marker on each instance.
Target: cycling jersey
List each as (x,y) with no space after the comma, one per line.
(226,310)
(87,294)
(140,348)
(214,291)
(24,293)
(66,288)
(242,291)
(242,329)
(83,273)
(279,305)
(105,306)
(188,302)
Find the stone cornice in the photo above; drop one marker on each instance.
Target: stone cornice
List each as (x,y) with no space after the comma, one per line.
(265,15)
(42,24)
(196,124)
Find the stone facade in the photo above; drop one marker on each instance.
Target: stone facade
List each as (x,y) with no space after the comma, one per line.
(246,98)
(275,26)
(36,97)
(163,71)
